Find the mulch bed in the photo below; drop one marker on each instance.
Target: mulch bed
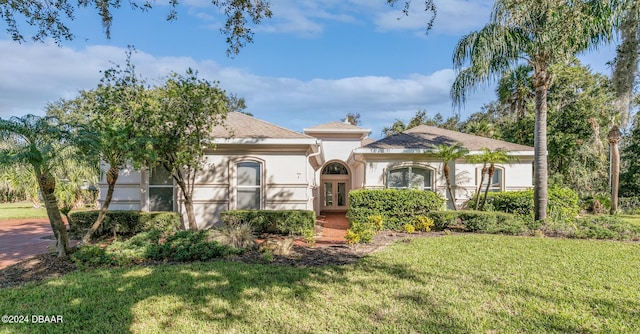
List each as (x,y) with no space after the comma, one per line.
(45,266)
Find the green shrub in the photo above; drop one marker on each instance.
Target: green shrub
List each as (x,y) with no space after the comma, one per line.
(396,206)
(629,205)
(193,246)
(443,220)
(562,204)
(181,246)
(124,223)
(593,227)
(91,255)
(481,221)
(297,222)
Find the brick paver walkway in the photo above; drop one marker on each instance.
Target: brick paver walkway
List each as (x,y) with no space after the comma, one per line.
(334,229)
(23,238)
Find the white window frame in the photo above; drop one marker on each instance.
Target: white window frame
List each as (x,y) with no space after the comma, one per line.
(410,168)
(494,186)
(150,186)
(253,187)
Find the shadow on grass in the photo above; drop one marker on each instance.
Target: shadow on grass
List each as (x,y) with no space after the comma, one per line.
(222,296)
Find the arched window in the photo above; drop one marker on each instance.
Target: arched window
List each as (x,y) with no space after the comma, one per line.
(410,178)
(335,168)
(248,185)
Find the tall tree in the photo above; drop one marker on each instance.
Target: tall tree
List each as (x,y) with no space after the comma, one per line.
(353,119)
(448,153)
(421,118)
(540,34)
(50,19)
(614,137)
(108,124)
(40,144)
(516,89)
(625,70)
(181,126)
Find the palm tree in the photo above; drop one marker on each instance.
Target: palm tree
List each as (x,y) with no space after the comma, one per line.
(515,89)
(625,71)
(614,137)
(498,156)
(448,153)
(538,33)
(39,143)
(484,159)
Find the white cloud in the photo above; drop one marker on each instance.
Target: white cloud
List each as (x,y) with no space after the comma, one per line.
(453,17)
(34,74)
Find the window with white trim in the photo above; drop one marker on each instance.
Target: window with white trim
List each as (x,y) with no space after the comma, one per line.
(410,178)
(496,180)
(248,185)
(161,190)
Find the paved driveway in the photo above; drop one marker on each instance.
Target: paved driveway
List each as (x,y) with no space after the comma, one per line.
(23,238)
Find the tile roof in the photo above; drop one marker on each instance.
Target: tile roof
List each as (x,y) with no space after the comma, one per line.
(239,125)
(424,137)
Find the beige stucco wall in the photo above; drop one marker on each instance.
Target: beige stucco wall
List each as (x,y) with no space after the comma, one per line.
(127,193)
(286,179)
(465,176)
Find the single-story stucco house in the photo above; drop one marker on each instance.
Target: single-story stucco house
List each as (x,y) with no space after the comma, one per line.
(260,165)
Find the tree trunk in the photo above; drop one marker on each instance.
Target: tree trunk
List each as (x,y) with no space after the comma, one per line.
(112,177)
(540,177)
(484,171)
(47,185)
(449,189)
(490,172)
(614,137)
(191,217)
(188,205)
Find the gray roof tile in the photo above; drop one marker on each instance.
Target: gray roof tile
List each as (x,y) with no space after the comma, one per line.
(424,137)
(239,125)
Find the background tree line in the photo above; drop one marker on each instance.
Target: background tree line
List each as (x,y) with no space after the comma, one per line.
(581,111)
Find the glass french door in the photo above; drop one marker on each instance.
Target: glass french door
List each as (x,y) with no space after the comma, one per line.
(334,195)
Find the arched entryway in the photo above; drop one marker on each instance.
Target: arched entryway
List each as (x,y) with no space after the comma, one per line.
(335,185)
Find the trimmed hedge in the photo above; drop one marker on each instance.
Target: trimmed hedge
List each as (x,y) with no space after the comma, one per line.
(396,206)
(124,223)
(297,222)
(563,203)
(480,221)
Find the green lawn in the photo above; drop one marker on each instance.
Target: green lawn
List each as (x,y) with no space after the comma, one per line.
(451,284)
(633,219)
(20,210)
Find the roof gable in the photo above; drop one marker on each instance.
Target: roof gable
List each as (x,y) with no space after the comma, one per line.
(239,125)
(425,137)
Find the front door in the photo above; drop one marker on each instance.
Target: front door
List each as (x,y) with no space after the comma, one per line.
(334,194)
(334,181)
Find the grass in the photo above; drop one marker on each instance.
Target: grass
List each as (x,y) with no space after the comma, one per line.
(21,210)
(633,219)
(453,284)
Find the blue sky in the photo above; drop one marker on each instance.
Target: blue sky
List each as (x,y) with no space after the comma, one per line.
(312,63)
